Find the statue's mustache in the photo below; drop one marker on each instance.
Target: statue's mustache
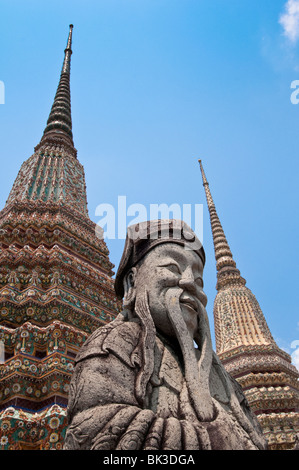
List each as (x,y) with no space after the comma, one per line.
(189,300)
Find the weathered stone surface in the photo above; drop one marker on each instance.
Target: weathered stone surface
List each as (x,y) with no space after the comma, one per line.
(150,379)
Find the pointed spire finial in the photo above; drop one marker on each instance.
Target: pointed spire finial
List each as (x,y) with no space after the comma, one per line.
(204,179)
(227,272)
(59,124)
(66,68)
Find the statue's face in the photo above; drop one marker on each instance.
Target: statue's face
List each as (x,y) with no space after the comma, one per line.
(170,266)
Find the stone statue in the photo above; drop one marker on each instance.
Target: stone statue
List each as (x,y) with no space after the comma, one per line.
(150,380)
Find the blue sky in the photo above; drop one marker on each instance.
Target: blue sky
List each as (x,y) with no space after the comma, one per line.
(157,84)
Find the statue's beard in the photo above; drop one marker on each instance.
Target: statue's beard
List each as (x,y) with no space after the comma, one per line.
(197,372)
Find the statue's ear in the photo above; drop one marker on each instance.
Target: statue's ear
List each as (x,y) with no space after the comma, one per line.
(129,287)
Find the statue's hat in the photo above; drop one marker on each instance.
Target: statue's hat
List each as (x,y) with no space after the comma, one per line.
(144,236)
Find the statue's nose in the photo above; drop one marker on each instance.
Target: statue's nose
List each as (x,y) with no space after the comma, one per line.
(187,281)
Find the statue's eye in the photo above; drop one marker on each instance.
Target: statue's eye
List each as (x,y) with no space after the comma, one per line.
(173,267)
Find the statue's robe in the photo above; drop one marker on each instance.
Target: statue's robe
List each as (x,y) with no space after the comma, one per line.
(104,411)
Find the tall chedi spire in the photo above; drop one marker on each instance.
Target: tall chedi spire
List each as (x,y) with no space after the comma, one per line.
(56,283)
(246,347)
(53,174)
(59,124)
